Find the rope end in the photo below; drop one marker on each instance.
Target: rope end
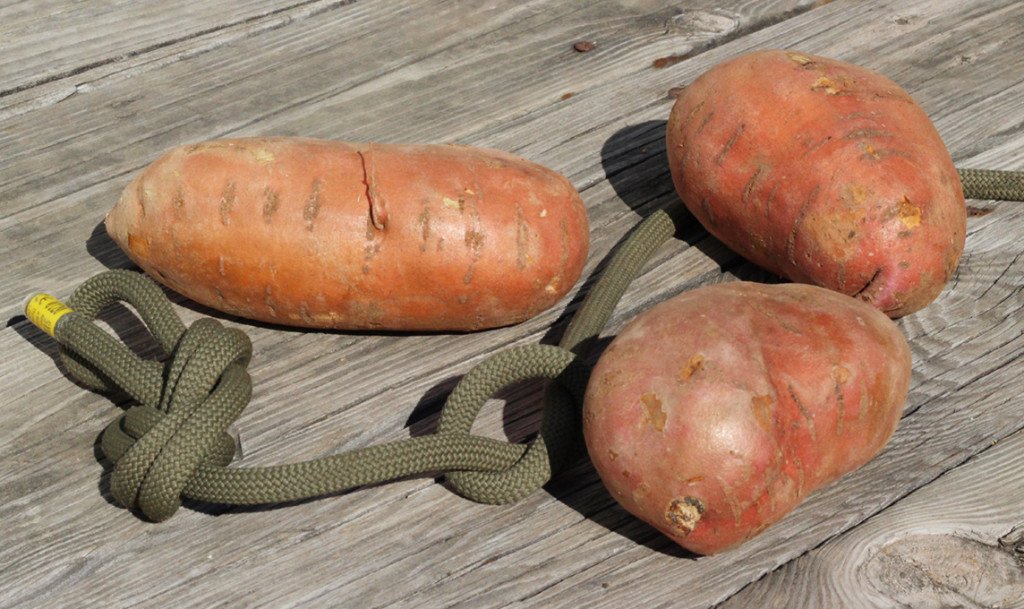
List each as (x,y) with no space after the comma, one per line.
(45,311)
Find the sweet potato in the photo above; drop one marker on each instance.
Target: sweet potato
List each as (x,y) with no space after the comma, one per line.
(714,413)
(327,234)
(822,172)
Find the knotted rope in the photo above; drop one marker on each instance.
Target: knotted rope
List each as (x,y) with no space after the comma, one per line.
(173,443)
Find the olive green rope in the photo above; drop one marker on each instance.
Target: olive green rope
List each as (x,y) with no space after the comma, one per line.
(992,184)
(174,442)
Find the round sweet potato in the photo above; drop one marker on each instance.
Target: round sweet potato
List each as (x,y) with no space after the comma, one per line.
(822,172)
(716,412)
(355,236)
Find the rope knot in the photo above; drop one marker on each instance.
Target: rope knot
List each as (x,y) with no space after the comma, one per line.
(157,448)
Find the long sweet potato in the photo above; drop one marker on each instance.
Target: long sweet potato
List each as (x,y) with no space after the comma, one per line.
(823,172)
(355,236)
(714,413)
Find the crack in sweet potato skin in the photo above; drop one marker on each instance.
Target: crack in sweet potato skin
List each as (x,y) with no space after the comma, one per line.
(822,172)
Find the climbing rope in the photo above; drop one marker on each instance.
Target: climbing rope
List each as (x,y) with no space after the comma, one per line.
(174,442)
(992,184)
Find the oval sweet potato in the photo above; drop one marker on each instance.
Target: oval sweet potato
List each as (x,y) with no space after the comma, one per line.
(822,172)
(327,234)
(714,413)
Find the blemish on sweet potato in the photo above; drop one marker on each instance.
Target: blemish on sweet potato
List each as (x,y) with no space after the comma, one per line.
(312,208)
(563,258)
(271,201)
(684,514)
(641,492)
(138,246)
(791,238)
(264,155)
(729,144)
(177,203)
(761,408)
(653,412)
(910,214)
(830,86)
(705,206)
(227,202)
(841,374)
(695,363)
(704,123)
(304,313)
(804,412)
(457,204)
(522,237)
(750,184)
(869,153)
(693,111)
(800,59)
(271,305)
(811,144)
(859,134)
(474,240)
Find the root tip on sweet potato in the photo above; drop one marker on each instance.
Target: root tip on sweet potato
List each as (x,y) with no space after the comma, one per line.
(683,515)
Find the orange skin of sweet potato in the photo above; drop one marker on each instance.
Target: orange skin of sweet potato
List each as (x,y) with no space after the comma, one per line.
(716,412)
(823,172)
(327,234)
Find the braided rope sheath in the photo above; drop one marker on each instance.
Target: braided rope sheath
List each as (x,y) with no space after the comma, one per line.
(992,184)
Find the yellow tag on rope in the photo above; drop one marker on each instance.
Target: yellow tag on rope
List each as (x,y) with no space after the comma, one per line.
(44,310)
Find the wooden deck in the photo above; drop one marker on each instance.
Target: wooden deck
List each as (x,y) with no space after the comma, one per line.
(90,92)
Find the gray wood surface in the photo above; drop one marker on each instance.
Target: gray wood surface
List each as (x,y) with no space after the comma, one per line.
(90,92)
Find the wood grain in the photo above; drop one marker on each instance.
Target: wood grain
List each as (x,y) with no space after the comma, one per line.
(485,73)
(55,49)
(958,542)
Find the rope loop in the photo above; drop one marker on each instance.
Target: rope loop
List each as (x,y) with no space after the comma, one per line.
(548,451)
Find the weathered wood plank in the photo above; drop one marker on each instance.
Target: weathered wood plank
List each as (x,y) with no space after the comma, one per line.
(54,49)
(413,543)
(957,542)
